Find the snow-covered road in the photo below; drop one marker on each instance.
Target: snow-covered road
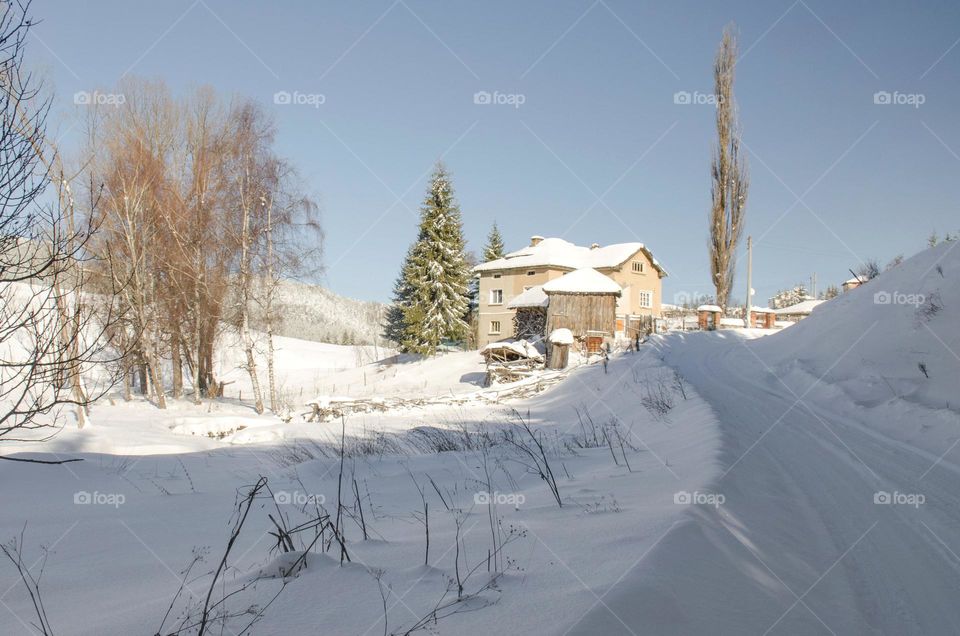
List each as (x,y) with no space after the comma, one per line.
(799,545)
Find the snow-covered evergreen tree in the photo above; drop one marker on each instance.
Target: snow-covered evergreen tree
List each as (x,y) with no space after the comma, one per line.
(788,297)
(832,292)
(494,247)
(437,274)
(395,327)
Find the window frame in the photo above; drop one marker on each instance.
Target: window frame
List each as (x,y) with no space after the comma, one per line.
(490,299)
(640,296)
(495,328)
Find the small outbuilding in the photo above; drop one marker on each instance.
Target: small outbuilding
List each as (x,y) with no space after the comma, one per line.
(799,311)
(709,317)
(762,318)
(560,341)
(585,302)
(851,283)
(530,319)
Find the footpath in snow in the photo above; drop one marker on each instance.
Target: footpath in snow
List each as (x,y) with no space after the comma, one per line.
(840,474)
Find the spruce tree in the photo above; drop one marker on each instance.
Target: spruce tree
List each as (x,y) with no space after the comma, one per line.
(494,248)
(395,327)
(437,273)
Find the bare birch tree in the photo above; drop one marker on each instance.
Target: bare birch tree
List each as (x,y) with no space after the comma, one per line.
(729,173)
(49,338)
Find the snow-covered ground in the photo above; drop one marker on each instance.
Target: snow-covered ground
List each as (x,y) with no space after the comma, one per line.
(841,475)
(804,482)
(165,484)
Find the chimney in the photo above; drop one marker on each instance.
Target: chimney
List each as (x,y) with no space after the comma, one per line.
(535,240)
(595,246)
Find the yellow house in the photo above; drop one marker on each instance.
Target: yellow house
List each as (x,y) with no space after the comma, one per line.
(631,265)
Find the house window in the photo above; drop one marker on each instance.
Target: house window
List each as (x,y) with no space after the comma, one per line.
(532,272)
(646,299)
(496,296)
(494,327)
(637,267)
(496,275)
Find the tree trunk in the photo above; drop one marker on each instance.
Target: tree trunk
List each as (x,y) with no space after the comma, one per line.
(142,375)
(245,283)
(271,287)
(153,370)
(176,361)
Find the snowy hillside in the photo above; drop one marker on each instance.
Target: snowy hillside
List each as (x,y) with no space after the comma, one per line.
(840,474)
(895,326)
(313,313)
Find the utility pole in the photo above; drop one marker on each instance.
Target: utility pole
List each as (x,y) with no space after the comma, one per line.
(813,284)
(747,314)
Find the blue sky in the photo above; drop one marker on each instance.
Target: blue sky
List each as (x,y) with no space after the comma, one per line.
(598,151)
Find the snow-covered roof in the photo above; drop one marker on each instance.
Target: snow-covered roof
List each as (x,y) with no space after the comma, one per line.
(520,347)
(561,253)
(583,281)
(761,310)
(711,308)
(533,297)
(803,307)
(851,281)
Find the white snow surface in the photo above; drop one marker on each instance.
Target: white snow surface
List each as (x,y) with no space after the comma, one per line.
(583,281)
(802,307)
(840,474)
(562,336)
(164,483)
(561,253)
(533,297)
(820,463)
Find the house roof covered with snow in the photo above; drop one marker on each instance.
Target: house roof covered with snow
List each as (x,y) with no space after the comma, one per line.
(533,297)
(560,253)
(583,281)
(801,308)
(710,308)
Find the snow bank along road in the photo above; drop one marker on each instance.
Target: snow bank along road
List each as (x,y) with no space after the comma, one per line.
(827,526)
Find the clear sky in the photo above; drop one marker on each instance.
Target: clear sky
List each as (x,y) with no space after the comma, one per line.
(598,151)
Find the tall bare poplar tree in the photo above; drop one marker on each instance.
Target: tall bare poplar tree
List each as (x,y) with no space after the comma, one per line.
(729,173)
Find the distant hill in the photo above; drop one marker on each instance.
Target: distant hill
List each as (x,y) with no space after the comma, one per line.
(313,313)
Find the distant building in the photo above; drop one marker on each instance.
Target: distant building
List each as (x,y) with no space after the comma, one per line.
(799,311)
(631,266)
(852,283)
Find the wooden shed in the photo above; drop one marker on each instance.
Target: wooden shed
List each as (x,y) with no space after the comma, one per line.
(530,319)
(585,302)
